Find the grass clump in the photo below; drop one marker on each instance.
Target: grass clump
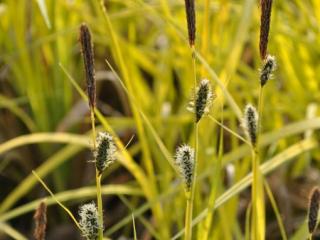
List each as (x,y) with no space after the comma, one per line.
(156,53)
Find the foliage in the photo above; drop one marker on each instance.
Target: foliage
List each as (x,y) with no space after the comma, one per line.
(144,83)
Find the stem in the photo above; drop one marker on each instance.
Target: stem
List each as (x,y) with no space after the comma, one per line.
(228,130)
(57,201)
(258,211)
(276,210)
(99,203)
(190,199)
(215,184)
(93,127)
(98,178)
(260,106)
(254,195)
(190,195)
(188,218)
(247,222)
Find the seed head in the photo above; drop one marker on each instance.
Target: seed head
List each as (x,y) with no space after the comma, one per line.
(267,69)
(313,209)
(202,101)
(105,152)
(184,160)
(266,6)
(40,219)
(250,122)
(88,59)
(191,21)
(89,222)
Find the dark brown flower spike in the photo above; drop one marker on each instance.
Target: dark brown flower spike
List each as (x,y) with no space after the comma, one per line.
(266,6)
(191,21)
(40,219)
(313,209)
(88,59)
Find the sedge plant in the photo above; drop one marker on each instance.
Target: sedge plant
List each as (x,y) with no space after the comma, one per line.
(103,145)
(200,106)
(191,25)
(252,125)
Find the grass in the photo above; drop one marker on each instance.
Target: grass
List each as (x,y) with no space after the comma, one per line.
(145,78)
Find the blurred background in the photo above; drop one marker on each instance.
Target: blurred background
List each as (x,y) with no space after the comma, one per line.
(45,123)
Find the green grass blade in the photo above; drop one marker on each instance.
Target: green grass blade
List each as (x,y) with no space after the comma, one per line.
(276,211)
(44,137)
(23,116)
(30,181)
(14,234)
(43,9)
(83,193)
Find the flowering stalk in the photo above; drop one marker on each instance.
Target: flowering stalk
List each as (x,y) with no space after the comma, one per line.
(250,125)
(88,59)
(200,106)
(184,160)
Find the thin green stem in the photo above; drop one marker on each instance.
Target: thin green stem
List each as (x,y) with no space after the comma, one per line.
(255,195)
(190,195)
(93,127)
(98,178)
(258,210)
(260,106)
(99,203)
(247,222)
(229,130)
(276,210)
(134,228)
(190,198)
(215,183)
(188,218)
(58,202)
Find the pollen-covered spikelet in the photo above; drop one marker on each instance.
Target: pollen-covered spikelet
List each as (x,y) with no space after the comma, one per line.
(250,121)
(267,69)
(89,222)
(184,160)
(202,101)
(266,7)
(105,152)
(88,59)
(313,209)
(191,21)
